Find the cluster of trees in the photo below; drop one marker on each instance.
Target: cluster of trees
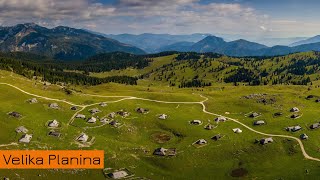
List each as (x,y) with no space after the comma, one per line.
(31,69)
(188,56)
(160,54)
(194,83)
(118,60)
(242,75)
(291,69)
(211,55)
(25,56)
(106,62)
(197,56)
(304,81)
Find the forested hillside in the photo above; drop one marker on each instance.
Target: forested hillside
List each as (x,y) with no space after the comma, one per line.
(54,72)
(181,70)
(197,70)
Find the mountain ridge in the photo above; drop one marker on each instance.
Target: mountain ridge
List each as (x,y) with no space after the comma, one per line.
(238,47)
(61,42)
(314,39)
(151,43)
(243,47)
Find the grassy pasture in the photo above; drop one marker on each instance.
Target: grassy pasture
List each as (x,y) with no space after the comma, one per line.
(132,144)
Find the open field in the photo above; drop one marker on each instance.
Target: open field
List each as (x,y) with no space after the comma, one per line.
(131,145)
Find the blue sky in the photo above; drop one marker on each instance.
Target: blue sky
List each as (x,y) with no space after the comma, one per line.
(242,18)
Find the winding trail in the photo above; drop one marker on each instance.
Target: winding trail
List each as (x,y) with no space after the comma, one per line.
(305,154)
(43,97)
(202,103)
(11,144)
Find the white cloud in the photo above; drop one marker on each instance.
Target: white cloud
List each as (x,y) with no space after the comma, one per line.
(263,28)
(156,16)
(185,16)
(51,11)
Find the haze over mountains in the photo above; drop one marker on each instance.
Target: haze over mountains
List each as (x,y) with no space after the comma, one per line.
(67,43)
(153,43)
(246,48)
(60,43)
(311,40)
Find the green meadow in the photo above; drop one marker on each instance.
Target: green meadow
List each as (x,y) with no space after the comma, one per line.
(131,145)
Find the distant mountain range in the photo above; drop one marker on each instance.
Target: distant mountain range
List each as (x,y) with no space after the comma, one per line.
(218,45)
(311,40)
(183,46)
(153,43)
(268,41)
(246,48)
(278,41)
(63,43)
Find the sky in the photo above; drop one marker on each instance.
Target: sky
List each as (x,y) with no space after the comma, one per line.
(242,18)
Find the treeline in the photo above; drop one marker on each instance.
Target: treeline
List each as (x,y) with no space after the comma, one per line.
(194,83)
(242,75)
(188,56)
(160,54)
(101,63)
(113,61)
(196,56)
(25,56)
(33,69)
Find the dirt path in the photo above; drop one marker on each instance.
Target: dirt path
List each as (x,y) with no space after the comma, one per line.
(305,154)
(43,97)
(11,144)
(202,103)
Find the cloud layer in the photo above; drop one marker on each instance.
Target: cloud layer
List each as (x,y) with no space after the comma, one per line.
(139,16)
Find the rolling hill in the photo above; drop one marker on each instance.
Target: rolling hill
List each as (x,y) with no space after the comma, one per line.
(174,84)
(191,69)
(188,69)
(62,43)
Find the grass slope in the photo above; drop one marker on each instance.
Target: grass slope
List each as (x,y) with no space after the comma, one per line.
(167,70)
(131,146)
